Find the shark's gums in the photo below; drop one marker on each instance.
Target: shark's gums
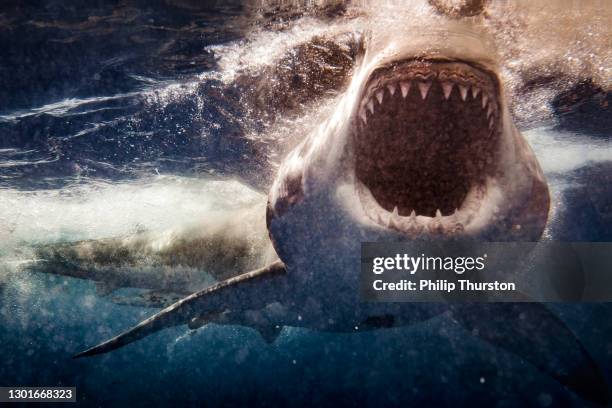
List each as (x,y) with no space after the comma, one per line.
(421,146)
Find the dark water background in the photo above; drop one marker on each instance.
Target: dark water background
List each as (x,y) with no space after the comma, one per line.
(74,80)
(76,83)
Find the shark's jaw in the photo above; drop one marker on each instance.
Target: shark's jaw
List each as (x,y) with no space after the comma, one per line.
(425,139)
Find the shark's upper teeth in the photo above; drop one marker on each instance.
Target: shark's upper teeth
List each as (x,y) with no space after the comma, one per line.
(463,90)
(379,96)
(447,88)
(447,84)
(424,88)
(363,116)
(405,88)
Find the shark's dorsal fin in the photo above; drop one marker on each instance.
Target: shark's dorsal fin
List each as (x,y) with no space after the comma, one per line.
(251,290)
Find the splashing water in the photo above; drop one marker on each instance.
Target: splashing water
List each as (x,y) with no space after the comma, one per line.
(141,120)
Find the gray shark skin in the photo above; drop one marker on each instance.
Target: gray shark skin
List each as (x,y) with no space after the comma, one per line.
(364,176)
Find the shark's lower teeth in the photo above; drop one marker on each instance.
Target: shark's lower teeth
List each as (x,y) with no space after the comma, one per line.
(415,224)
(425,147)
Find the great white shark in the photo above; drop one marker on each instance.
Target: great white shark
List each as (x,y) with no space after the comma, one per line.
(421,146)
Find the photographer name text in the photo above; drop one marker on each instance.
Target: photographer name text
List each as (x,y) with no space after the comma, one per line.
(405,263)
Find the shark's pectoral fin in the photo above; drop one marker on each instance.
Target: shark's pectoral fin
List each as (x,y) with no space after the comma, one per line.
(535,334)
(251,290)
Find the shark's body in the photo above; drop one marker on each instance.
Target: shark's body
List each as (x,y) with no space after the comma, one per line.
(421,146)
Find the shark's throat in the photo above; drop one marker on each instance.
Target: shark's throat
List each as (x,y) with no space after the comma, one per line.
(425,142)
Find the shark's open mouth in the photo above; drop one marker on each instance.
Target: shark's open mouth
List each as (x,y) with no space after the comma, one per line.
(426,141)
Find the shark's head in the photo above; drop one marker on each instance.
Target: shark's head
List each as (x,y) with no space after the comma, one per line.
(421,146)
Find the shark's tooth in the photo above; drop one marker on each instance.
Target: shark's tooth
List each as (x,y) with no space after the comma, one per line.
(413,216)
(490,110)
(395,213)
(371,106)
(414,226)
(394,219)
(447,88)
(485,98)
(435,224)
(391,88)
(405,86)
(491,123)
(424,88)
(363,116)
(475,91)
(379,96)
(463,90)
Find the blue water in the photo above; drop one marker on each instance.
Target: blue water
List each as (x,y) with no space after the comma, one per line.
(79,88)
(114,117)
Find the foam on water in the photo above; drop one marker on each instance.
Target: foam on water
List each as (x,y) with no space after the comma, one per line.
(97,209)
(561,152)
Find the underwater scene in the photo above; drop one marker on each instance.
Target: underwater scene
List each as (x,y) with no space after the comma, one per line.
(185,186)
